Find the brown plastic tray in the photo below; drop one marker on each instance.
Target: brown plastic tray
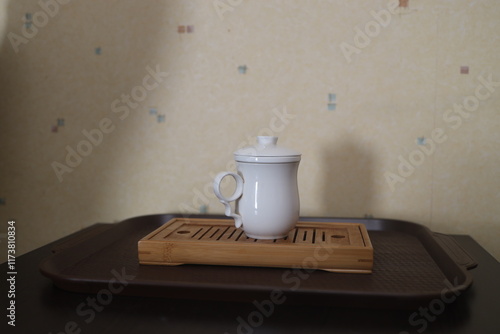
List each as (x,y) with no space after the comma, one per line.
(412,266)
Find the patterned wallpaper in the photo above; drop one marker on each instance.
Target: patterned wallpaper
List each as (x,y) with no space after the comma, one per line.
(113,109)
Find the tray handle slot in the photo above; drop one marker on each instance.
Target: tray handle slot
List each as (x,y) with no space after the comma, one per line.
(457,253)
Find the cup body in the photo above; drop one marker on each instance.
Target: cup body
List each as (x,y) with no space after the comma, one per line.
(269,205)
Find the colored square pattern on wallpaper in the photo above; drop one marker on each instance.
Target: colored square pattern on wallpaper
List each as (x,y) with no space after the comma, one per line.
(242,69)
(28,20)
(59,123)
(332,102)
(153,111)
(181,29)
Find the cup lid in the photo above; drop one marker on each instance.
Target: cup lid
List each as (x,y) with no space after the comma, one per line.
(266,151)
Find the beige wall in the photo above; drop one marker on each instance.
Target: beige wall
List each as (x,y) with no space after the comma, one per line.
(399,82)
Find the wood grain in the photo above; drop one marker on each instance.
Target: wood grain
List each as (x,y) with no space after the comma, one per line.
(335,247)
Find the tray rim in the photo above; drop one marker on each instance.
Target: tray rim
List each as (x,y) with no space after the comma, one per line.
(48,267)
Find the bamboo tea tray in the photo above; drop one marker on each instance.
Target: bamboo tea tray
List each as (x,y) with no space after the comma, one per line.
(332,246)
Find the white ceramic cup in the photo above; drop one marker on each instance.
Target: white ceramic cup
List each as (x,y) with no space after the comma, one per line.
(266,195)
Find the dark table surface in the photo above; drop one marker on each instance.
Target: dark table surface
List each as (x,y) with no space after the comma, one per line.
(43,308)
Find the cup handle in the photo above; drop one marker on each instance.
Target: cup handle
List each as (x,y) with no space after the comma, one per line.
(225,200)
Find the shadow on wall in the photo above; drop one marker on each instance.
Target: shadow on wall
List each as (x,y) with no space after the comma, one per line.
(62,66)
(348,184)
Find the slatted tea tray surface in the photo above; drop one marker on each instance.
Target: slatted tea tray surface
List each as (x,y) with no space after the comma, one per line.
(336,247)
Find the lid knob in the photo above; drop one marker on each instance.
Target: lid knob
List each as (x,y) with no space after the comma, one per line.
(267,140)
